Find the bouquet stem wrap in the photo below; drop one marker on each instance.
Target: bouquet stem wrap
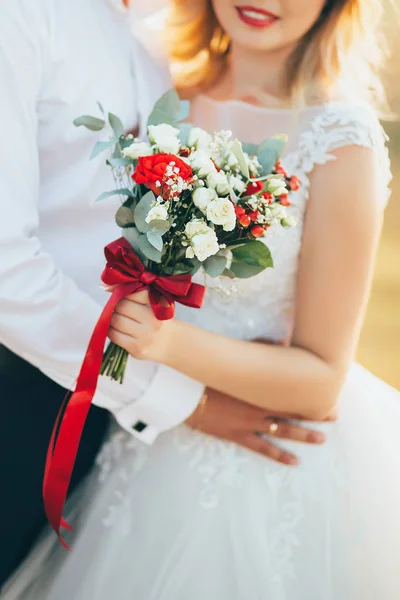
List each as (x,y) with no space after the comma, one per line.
(127,274)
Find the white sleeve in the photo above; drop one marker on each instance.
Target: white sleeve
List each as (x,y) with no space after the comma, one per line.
(44,317)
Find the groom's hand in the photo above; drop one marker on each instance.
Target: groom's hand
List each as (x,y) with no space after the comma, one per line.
(254,428)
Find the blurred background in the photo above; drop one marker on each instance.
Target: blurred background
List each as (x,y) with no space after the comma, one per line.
(379,348)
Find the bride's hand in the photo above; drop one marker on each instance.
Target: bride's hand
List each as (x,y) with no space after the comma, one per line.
(135,328)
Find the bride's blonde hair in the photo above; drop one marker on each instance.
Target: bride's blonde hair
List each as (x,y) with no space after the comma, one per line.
(343,48)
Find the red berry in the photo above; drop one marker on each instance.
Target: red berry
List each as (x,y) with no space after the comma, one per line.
(245,220)
(254,214)
(294,183)
(280,170)
(267,196)
(253,188)
(239,210)
(257,231)
(284,200)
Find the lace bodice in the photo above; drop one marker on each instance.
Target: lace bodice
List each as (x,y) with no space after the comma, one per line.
(263,306)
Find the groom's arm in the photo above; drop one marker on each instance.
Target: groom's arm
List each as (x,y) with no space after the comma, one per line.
(44,317)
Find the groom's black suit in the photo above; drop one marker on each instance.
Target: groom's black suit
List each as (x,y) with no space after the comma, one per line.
(29,403)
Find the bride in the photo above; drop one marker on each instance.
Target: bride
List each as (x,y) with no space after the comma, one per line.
(196,518)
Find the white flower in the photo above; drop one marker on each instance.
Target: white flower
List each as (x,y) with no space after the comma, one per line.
(201,163)
(203,240)
(157,213)
(231,160)
(202,196)
(276,187)
(137,149)
(221,212)
(237,184)
(219,181)
(278,211)
(199,139)
(288,221)
(165,137)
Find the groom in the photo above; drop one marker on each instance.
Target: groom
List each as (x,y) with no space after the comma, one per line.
(57,58)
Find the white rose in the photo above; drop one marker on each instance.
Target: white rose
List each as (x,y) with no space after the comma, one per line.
(219,181)
(201,163)
(203,240)
(157,213)
(276,187)
(237,184)
(202,196)
(137,149)
(165,137)
(221,212)
(199,139)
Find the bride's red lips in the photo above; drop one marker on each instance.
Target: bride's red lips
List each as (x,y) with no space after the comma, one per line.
(256,17)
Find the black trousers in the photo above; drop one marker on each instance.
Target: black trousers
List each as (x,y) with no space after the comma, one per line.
(29,403)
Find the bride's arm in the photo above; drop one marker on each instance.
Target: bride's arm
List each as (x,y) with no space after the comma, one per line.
(340,238)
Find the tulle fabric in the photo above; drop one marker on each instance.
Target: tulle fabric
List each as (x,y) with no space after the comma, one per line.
(195,518)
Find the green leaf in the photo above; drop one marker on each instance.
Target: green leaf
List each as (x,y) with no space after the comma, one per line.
(238,152)
(155,240)
(159,226)
(101,107)
(228,273)
(270,151)
(120,192)
(215,265)
(124,217)
(148,250)
(116,125)
(142,210)
(251,149)
(101,147)
(166,110)
(254,253)
(92,123)
(267,159)
(184,110)
(195,265)
(250,259)
(119,162)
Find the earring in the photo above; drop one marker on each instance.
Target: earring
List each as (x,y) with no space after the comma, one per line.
(220,41)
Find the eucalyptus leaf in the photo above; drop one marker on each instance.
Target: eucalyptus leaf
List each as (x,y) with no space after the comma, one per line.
(116,125)
(228,273)
(160,226)
(215,265)
(184,110)
(142,210)
(185,129)
(120,162)
(238,152)
(124,217)
(148,250)
(267,159)
(277,143)
(132,235)
(155,240)
(101,147)
(195,265)
(92,123)
(251,149)
(101,107)
(166,110)
(181,268)
(120,192)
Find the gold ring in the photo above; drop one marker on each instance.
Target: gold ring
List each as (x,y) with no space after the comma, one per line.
(273,428)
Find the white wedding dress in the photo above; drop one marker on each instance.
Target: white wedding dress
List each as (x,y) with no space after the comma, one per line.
(197,518)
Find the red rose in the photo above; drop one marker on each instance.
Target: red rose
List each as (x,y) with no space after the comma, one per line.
(152,169)
(253,188)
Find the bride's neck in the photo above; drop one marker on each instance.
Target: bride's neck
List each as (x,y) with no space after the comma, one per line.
(254,76)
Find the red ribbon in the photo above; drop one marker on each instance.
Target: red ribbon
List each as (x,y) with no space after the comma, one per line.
(126,272)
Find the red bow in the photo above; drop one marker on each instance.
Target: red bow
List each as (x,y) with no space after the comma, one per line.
(126,272)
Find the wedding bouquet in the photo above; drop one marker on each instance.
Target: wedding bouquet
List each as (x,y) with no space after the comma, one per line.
(190,201)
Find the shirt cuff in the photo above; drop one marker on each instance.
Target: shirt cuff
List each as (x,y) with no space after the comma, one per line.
(168,401)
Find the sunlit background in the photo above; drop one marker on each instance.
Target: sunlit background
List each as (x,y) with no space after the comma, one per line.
(379,348)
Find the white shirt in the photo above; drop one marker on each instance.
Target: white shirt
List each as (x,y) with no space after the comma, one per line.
(57,59)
